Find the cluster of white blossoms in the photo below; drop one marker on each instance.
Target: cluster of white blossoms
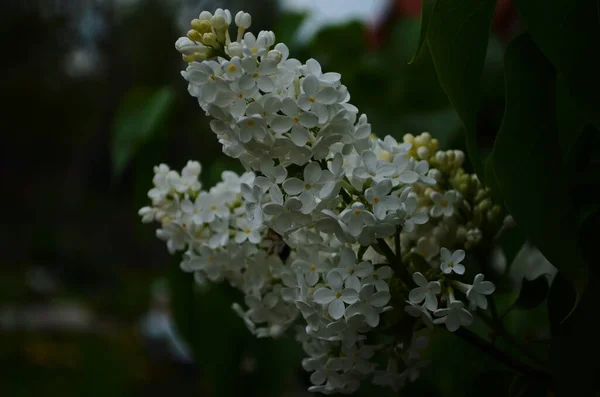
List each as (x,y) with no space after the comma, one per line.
(362,240)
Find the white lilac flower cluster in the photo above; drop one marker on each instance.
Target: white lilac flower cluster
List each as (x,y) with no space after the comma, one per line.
(375,230)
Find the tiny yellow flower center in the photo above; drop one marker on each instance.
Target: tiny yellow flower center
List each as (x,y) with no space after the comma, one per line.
(250,123)
(247,230)
(338,294)
(386,156)
(311,99)
(308,186)
(443,203)
(254,50)
(313,268)
(213,207)
(356,212)
(255,75)
(213,78)
(376,200)
(211,258)
(296,120)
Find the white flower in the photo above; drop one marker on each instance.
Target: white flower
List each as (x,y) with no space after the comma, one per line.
(454,315)
(403,173)
(422,168)
(411,217)
(476,292)
(378,278)
(421,312)
(373,168)
(356,217)
(258,74)
(250,231)
(315,179)
(370,304)
(335,295)
(299,122)
(443,204)
(426,290)
(253,46)
(451,261)
(378,196)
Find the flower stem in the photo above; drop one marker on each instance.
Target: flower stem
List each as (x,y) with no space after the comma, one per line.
(501,331)
(394,260)
(503,357)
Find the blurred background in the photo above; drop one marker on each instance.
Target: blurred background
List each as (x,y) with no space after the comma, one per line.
(91,303)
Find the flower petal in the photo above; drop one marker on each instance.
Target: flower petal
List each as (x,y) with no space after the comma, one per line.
(349,295)
(458,256)
(323,296)
(337,309)
(380,299)
(293,186)
(419,279)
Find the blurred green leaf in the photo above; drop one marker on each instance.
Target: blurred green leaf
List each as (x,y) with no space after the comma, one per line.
(533,293)
(567,33)
(490,178)
(210,328)
(427,8)
(140,116)
(457,38)
(493,383)
(574,339)
(535,187)
(287,27)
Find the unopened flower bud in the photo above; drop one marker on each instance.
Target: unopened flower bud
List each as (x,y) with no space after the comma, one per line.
(185,46)
(218,22)
(275,56)
(243,20)
(428,192)
(234,49)
(268,36)
(474,236)
(205,16)
(509,222)
(459,158)
(210,39)
(441,158)
(202,26)
(423,152)
(461,234)
(420,141)
(435,174)
(408,138)
(434,145)
(194,35)
(485,205)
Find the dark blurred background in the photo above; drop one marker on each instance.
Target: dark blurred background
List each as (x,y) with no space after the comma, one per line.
(91,303)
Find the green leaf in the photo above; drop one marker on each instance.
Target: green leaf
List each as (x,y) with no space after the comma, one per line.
(210,328)
(490,178)
(427,7)
(140,116)
(492,383)
(533,182)
(567,33)
(533,293)
(575,345)
(288,25)
(457,38)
